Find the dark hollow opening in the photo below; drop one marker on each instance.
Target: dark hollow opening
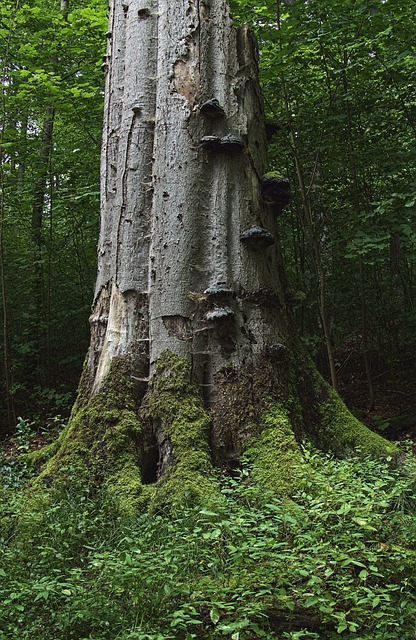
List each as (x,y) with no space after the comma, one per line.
(150,464)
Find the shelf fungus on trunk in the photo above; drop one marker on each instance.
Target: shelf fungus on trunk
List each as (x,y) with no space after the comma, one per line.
(210,142)
(220,314)
(228,143)
(257,238)
(276,351)
(212,109)
(219,289)
(276,192)
(231,142)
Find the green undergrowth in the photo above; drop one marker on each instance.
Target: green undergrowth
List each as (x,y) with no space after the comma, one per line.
(339,560)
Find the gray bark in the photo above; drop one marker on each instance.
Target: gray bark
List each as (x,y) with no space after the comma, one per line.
(173,207)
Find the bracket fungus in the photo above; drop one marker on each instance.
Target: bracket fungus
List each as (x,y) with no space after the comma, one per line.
(218,289)
(219,314)
(276,351)
(276,191)
(210,142)
(231,142)
(212,109)
(257,238)
(228,143)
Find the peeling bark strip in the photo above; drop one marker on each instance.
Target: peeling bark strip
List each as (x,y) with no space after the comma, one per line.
(175,208)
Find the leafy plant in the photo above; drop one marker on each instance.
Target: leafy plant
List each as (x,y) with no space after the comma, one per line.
(338,559)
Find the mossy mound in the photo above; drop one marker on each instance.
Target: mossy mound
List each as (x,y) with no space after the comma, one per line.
(104,444)
(155,451)
(274,455)
(344,434)
(99,445)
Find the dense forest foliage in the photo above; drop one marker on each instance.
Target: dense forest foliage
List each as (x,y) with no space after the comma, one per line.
(51,117)
(339,86)
(339,83)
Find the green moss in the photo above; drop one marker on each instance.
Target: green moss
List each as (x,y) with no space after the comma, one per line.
(174,403)
(124,488)
(98,446)
(327,422)
(106,441)
(274,455)
(39,457)
(344,434)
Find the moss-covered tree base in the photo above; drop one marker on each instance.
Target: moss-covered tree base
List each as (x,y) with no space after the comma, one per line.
(99,445)
(142,452)
(162,448)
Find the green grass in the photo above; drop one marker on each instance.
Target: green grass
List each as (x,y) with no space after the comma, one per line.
(339,560)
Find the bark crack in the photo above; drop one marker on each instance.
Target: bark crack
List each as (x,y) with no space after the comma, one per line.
(198,9)
(109,91)
(124,188)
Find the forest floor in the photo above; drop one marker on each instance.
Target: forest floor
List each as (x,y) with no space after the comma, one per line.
(338,558)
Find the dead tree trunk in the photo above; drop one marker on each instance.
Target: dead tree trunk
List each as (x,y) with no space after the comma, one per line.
(193,360)
(181,183)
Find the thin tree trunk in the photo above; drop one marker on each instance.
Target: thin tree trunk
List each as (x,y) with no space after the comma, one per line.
(39,195)
(10,413)
(357,211)
(364,338)
(21,158)
(6,360)
(312,233)
(41,192)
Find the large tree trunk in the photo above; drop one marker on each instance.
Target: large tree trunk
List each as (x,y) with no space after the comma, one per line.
(173,209)
(193,361)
